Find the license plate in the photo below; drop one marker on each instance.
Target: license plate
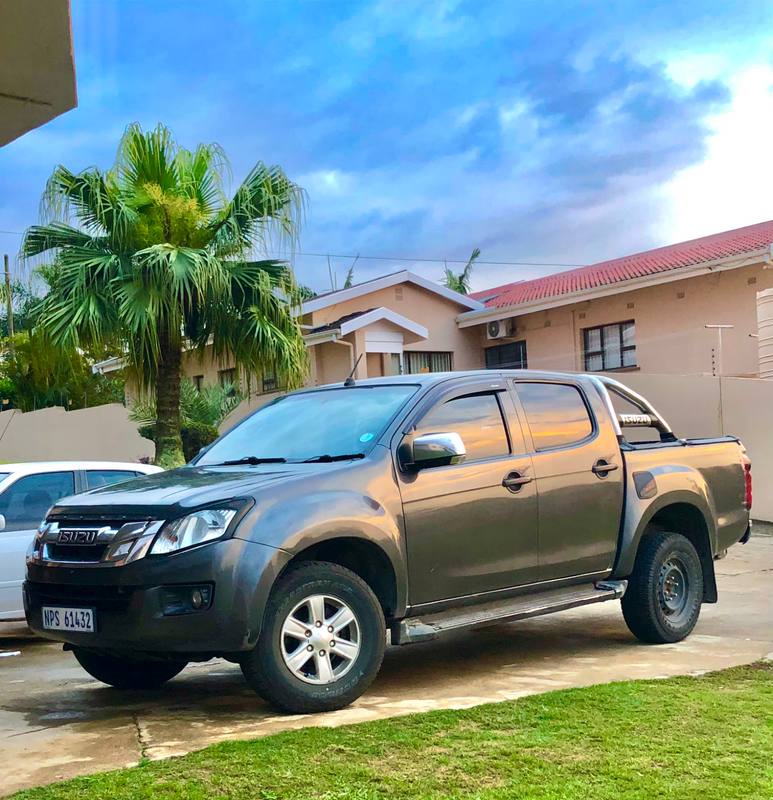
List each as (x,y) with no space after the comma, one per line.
(78,620)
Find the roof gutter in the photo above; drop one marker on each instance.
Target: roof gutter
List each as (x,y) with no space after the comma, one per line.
(470,318)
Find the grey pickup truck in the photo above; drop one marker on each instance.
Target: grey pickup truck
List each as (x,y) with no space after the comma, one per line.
(418,505)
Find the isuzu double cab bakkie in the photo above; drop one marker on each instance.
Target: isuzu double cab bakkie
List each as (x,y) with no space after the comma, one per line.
(417,505)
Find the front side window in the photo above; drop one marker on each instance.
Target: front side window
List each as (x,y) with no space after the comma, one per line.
(310,425)
(417,362)
(477,419)
(25,502)
(556,413)
(610,346)
(107,477)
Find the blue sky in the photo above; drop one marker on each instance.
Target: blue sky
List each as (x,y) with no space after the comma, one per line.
(550,132)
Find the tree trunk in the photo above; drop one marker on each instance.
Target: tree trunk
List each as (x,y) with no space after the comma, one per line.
(169,446)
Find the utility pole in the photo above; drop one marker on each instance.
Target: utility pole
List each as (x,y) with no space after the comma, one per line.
(8,298)
(718,372)
(719,329)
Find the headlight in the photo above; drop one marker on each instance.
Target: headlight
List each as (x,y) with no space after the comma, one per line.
(198,528)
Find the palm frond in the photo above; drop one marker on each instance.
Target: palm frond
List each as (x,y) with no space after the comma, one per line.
(201,176)
(210,406)
(90,199)
(467,271)
(267,202)
(39,239)
(147,157)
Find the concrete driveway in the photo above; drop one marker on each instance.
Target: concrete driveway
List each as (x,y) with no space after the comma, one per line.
(56,722)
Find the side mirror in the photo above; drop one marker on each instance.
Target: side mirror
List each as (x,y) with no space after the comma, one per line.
(2,522)
(438,450)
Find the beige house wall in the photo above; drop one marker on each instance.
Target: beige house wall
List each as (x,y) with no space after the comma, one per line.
(192,365)
(103,433)
(435,313)
(670,332)
(704,406)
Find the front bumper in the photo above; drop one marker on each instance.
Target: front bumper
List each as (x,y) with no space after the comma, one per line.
(129,604)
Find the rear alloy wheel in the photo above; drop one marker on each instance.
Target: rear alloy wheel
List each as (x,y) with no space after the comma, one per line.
(322,642)
(123,673)
(665,592)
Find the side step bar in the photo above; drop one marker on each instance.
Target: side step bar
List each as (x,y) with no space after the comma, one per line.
(425,628)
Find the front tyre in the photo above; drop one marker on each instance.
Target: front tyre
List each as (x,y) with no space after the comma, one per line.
(322,641)
(122,673)
(665,591)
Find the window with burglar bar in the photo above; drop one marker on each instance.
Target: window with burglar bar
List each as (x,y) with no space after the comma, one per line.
(227,377)
(270,382)
(416,362)
(610,346)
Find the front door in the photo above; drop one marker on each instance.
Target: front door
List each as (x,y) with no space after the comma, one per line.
(24,505)
(466,532)
(579,474)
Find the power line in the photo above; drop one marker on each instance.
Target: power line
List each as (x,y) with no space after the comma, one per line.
(423,260)
(446,260)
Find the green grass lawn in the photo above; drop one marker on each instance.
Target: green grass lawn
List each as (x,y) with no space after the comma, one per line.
(699,738)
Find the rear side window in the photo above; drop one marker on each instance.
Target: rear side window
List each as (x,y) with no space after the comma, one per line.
(556,413)
(25,502)
(477,419)
(106,477)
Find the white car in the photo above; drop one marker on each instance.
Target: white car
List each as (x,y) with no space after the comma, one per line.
(27,491)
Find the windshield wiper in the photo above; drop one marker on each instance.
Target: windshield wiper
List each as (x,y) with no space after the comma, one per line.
(252,460)
(326,459)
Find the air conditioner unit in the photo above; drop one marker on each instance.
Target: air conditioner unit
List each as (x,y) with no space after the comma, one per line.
(497,329)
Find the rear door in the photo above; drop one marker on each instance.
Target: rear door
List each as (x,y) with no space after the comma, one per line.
(24,504)
(579,472)
(466,532)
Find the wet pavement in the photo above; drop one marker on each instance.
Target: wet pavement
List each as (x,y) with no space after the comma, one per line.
(56,722)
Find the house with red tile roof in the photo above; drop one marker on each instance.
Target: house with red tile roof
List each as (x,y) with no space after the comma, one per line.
(656,311)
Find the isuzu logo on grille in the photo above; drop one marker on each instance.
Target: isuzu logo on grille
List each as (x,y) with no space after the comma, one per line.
(75,536)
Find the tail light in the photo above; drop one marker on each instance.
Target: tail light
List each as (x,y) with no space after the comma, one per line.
(747,473)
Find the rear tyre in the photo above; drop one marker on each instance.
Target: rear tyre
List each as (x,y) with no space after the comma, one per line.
(121,673)
(322,641)
(665,591)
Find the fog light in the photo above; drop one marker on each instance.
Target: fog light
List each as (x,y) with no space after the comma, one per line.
(186,599)
(197,601)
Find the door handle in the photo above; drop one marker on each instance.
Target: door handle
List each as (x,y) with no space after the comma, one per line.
(514,481)
(602,467)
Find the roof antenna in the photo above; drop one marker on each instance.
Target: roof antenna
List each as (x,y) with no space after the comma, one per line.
(350,380)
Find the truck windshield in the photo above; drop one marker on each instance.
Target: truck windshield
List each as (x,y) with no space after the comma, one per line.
(311,426)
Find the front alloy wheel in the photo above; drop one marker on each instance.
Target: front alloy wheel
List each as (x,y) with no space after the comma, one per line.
(322,640)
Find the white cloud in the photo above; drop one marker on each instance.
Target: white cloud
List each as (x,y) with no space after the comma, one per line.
(732,187)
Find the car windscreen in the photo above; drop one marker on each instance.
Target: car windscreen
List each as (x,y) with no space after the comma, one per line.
(312,425)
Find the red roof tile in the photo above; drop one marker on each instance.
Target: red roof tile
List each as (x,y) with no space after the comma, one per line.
(651,262)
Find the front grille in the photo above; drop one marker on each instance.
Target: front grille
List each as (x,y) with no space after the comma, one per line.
(86,541)
(91,520)
(103,598)
(81,553)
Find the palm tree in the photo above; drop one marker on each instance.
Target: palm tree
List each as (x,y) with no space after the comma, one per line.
(210,405)
(153,251)
(461,282)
